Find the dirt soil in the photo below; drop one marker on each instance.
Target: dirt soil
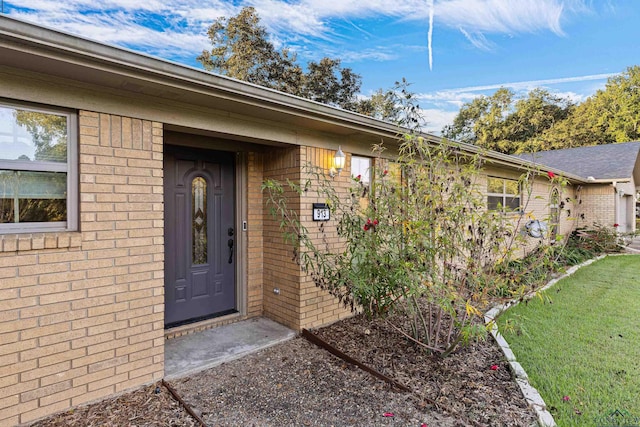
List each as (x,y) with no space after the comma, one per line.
(299,384)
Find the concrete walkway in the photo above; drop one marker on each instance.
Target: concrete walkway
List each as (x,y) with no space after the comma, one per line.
(202,350)
(635,244)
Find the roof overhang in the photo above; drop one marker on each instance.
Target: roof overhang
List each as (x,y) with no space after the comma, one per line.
(40,50)
(37,49)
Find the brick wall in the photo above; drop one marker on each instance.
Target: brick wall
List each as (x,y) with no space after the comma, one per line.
(300,303)
(255,219)
(537,203)
(81,316)
(598,205)
(317,307)
(280,271)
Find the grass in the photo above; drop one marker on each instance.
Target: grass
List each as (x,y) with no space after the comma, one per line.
(582,340)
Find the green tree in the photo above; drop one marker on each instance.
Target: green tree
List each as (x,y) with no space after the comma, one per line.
(534,114)
(395,105)
(481,120)
(503,123)
(327,83)
(381,105)
(241,49)
(542,121)
(611,115)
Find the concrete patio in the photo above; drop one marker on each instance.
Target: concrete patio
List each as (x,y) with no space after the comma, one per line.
(192,353)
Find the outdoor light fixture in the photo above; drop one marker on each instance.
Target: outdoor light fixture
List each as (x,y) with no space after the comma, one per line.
(339,160)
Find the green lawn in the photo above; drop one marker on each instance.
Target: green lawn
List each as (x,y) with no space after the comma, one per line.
(584,343)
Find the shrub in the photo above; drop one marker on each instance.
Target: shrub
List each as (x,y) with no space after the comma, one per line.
(425,245)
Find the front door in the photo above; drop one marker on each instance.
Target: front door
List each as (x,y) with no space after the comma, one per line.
(199,232)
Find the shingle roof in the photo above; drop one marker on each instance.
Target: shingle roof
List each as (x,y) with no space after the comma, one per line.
(611,161)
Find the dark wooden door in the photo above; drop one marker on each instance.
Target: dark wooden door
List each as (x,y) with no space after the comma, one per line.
(200,249)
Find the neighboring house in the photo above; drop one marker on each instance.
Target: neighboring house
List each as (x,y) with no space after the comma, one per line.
(613,173)
(131,211)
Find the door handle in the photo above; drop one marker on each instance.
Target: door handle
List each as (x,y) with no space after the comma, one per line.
(230,244)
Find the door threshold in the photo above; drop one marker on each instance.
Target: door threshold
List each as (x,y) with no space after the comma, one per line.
(201,318)
(202,325)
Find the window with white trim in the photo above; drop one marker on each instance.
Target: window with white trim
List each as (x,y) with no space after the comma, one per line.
(360,169)
(503,194)
(38,169)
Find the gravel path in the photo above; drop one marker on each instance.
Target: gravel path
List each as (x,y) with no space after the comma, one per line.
(299,384)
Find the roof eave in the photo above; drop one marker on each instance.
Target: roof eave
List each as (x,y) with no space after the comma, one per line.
(120,60)
(67,48)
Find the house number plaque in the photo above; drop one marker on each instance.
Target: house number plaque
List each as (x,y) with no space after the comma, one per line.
(321,212)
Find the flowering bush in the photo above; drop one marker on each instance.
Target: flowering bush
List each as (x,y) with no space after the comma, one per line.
(423,243)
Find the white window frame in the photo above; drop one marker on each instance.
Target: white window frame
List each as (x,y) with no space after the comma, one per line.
(365,175)
(70,168)
(504,195)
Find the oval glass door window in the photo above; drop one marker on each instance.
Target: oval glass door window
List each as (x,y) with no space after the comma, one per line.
(199,220)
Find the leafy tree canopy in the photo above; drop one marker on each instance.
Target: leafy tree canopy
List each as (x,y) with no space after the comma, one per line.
(241,49)
(610,115)
(503,123)
(542,121)
(381,105)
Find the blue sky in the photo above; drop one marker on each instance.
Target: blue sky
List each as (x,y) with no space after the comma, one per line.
(450,50)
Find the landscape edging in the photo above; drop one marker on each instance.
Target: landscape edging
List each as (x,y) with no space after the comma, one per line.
(531,394)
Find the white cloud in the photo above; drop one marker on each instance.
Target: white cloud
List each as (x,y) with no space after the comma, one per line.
(450,98)
(574,97)
(430,33)
(340,8)
(297,22)
(437,119)
(476,17)
(157,28)
(531,84)
(378,54)
(441,107)
(478,40)
(500,16)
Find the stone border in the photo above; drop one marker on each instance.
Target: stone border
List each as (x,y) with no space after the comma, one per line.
(530,393)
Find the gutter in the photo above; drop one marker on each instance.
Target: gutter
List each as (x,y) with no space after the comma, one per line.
(509,160)
(608,180)
(64,47)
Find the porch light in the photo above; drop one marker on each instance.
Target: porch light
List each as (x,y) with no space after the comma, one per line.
(338,162)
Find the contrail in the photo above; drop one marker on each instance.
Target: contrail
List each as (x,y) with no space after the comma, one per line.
(430,34)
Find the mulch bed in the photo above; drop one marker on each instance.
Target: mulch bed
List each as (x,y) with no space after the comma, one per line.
(462,385)
(151,406)
(299,384)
